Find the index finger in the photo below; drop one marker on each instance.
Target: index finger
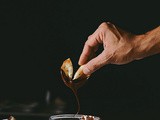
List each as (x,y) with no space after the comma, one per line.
(90,47)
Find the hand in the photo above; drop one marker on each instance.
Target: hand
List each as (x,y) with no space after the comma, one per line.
(120,47)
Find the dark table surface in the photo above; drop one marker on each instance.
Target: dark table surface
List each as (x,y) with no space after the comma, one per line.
(105,116)
(32,111)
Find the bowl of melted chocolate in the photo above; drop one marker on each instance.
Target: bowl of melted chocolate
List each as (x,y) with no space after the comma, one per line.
(73,117)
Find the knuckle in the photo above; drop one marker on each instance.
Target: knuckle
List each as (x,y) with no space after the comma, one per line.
(104,24)
(90,36)
(94,67)
(107,25)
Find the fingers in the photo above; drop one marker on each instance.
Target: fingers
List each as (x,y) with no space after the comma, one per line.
(96,63)
(92,44)
(89,49)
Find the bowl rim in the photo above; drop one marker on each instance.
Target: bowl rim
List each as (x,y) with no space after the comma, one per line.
(54,117)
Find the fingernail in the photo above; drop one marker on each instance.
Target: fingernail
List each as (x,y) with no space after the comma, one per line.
(86,71)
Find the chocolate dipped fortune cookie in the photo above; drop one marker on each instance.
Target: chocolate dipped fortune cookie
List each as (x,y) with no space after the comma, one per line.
(67,75)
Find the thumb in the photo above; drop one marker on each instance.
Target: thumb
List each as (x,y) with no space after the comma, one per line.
(96,63)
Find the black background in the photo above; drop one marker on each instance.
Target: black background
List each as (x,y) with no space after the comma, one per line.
(38,36)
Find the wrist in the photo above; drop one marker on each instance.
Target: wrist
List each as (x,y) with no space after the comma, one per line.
(147,44)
